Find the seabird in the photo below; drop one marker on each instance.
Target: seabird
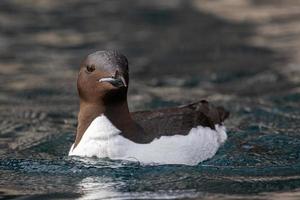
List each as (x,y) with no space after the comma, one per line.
(182,135)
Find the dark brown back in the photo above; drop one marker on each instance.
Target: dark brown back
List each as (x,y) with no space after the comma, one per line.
(179,120)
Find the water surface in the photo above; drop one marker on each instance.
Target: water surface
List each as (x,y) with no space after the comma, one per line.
(179,52)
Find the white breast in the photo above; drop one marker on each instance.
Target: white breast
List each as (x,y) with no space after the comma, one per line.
(103,139)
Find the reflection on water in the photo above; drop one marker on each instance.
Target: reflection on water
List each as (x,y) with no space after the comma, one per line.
(97,188)
(102,178)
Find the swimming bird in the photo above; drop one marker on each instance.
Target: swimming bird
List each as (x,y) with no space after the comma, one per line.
(182,135)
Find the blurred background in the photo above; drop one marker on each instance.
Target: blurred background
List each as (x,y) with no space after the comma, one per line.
(178,50)
(242,54)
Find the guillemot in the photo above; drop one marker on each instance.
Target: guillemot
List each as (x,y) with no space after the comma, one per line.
(181,135)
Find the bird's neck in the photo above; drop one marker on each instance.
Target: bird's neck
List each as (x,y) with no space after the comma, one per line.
(117,112)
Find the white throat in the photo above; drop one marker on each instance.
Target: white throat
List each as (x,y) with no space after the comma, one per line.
(95,138)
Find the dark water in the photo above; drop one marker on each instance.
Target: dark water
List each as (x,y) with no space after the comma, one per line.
(261,156)
(178,53)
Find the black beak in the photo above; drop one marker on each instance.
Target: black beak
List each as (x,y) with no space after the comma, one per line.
(117,80)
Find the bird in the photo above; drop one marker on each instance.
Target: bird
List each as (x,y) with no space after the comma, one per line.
(186,135)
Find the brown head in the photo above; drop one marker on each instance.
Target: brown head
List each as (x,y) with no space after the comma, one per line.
(103,78)
(102,87)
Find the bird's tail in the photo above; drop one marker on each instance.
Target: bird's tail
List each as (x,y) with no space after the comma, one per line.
(214,115)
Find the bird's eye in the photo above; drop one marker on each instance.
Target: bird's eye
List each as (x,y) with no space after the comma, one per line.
(90,68)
